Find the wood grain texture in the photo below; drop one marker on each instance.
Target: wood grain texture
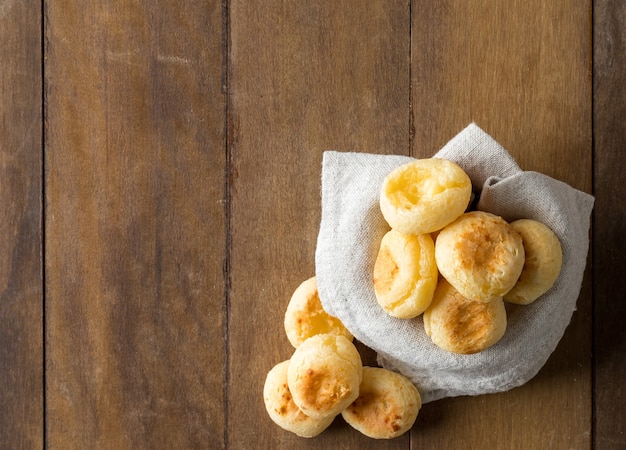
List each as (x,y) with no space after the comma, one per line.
(609,218)
(521,71)
(135,158)
(304,77)
(21,292)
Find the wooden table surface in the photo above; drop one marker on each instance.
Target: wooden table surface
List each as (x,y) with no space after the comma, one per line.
(160,201)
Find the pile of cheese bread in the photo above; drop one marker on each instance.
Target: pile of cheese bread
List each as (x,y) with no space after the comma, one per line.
(325,377)
(454,266)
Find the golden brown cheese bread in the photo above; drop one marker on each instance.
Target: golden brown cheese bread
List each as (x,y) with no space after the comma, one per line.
(405,274)
(480,254)
(324,375)
(387,405)
(283,411)
(424,195)
(543,260)
(459,325)
(305,316)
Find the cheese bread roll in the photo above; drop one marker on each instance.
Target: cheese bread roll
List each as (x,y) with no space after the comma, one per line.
(387,405)
(459,325)
(543,259)
(480,254)
(324,375)
(405,274)
(305,316)
(424,195)
(283,411)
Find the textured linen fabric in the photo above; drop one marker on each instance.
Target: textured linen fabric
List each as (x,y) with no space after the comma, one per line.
(352,227)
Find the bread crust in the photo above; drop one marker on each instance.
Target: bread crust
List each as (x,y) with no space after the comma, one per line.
(324,375)
(283,411)
(481,255)
(463,326)
(424,195)
(405,274)
(305,316)
(542,264)
(387,406)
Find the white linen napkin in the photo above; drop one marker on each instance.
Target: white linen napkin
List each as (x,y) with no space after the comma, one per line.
(349,237)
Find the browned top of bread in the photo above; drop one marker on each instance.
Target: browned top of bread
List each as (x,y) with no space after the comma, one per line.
(282,409)
(305,316)
(480,254)
(387,405)
(459,325)
(324,375)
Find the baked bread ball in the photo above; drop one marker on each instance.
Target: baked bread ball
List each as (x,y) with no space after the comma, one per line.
(481,255)
(405,274)
(424,195)
(324,375)
(305,316)
(387,405)
(459,325)
(283,411)
(543,260)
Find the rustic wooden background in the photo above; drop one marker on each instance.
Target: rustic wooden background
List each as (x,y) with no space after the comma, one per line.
(159,203)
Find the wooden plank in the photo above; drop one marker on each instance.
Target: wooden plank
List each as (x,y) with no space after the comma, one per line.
(21,286)
(520,70)
(304,77)
(135,230)
(609,218)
